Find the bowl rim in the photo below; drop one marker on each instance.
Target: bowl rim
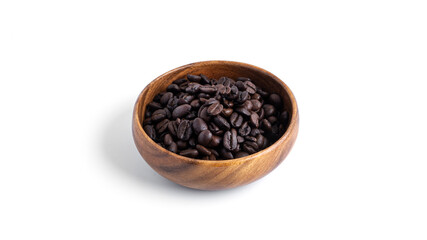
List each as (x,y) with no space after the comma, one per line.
(286,136)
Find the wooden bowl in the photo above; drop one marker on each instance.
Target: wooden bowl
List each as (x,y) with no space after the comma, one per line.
(221,174)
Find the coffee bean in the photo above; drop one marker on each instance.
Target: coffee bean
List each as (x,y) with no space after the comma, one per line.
(261,141)
(204,79)
(243,96)
(236,120)
(225,154)
(241,154)
(172,127)
(245,129)
(250,138)
(250,147)
(221,122)
(243,79)
(174,88)
(151,132)
(269,110)
(266,125)
(180,81)
(254,120)
(173,147)
(207,89)
(154,105)
(275,100)
(245,112)
(202,150)
(248,105)
(230,140)
(284,117)
(181,111)
(250,87)
(158,115)
(193,78)
(215,129)
(191,153)
(256,96)
(272,119)
(199,125)
(147,121)
(167,139)
(195,104)
(181,144)
(215,109)
(216,141)
(165,98)
(184,130)
(162,126)
(204,137)
(226,112)
(256,105)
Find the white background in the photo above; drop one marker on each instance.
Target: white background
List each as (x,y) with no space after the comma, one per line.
(71,71)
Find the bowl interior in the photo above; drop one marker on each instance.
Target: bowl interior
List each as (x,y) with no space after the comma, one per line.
(216,69)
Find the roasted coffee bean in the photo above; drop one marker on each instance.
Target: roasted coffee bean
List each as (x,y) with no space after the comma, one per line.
(204,79)
(215,129)
(191,153)
(256,105)
(236,120)
(269,110)
(215,109)
(204,137)
(158,115)
(180,81)
(167,139)
(193,78)
(173,147)
(202,150)
(284,117)
(195,104)
(230,140)
(221,123)
(214,119)
(245,129)
(243,79)
(250,147)
(207,89)
(173,88)
(216,141)
(199,125)
(181,111)
(165,98)
(181,144)
(225,154)
(254,120)
(245,112)
(154,105)
(241,154)
(250,87)
(162,126)
(272,119)
(275,100)
(226,112)
(243,96)
(151,132)
(184,130)
(266,125)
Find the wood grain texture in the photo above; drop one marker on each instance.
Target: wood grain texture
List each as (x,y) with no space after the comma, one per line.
(222,174)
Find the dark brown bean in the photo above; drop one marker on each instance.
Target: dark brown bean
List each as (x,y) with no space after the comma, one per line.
(174,88)
(275,100)
(202,150)
(181,111)
(216,141)
(154,105)
(204,137)
(165,98)
(207,89)
(221,123)
(167,139)
(269,110)
(173,147)
(181,144)
(245,112)
(230,140)
(150,131)
(215,109)
(265,125)
(254,120)
(191,153)
(226,112)
(158,115)
(256,105)
(241,154)
(245,129)
(184,130)
(162,126)
(250,87)
(236,120)
(204,79)
(193,78)
(199,125)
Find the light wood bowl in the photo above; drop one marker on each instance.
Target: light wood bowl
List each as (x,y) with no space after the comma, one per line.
(221,174)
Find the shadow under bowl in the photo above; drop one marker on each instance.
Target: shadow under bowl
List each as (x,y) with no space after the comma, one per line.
(219,174)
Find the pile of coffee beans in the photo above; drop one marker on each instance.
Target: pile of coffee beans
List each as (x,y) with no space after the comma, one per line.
(211,119)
